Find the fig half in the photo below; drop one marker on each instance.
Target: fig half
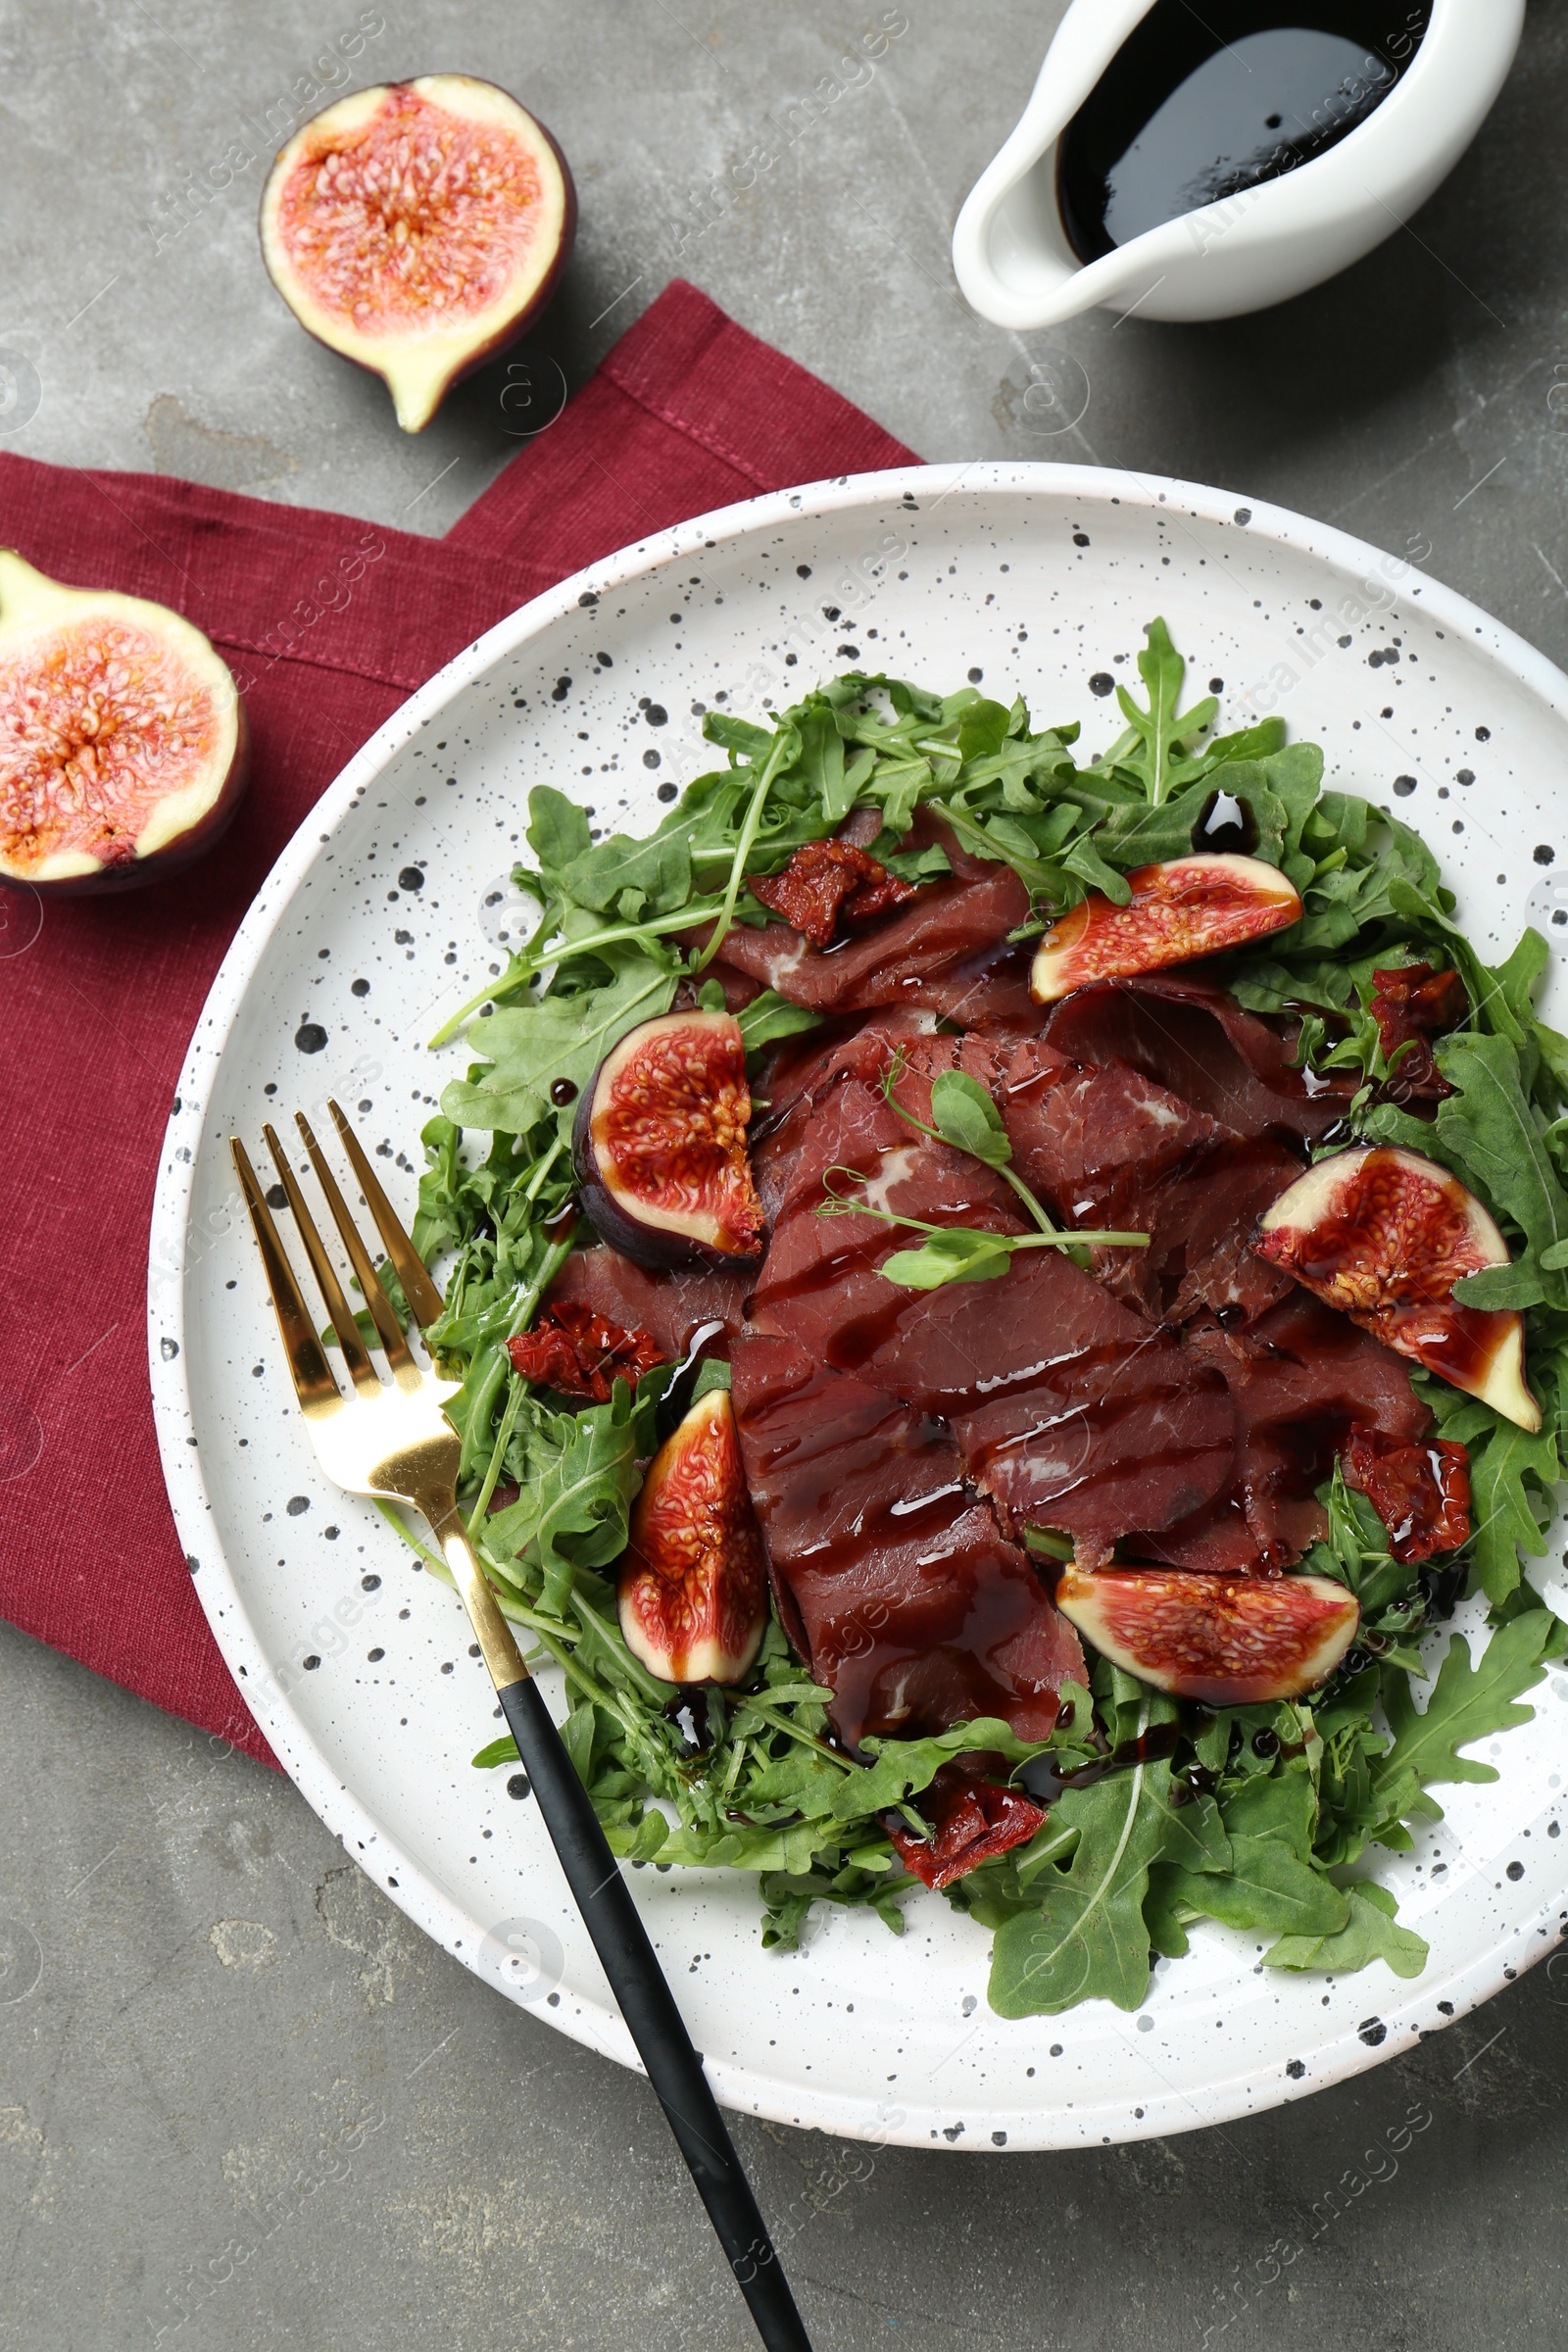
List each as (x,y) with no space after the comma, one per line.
(1224,1641)
(693,1587)
(659,1143)
(418,226)
(123,737)
(1181,909)
(1383,1235)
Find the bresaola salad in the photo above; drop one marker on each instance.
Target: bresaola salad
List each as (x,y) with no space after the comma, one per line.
(1005,1298)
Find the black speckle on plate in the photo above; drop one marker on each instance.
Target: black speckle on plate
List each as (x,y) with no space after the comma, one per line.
(411,878)
(276,1198)
(296,1504)
(1295,2070)
(1404,786)
(1101,683)
(1544,856)
(168,1350)
(358,988)
(1372,2031)
(656,715)
(310,1036)
(518,1786)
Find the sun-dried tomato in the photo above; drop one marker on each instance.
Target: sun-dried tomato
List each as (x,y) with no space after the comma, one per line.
(1421,1492)
(580,1353)
(1412,1003)
(831,882)
(972,1819)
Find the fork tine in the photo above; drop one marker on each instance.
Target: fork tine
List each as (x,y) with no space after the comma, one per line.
(369,1282)
(360,1368)
(306,1361)
(417,1288)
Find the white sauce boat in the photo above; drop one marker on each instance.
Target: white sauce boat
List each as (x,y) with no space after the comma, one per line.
(1016,268)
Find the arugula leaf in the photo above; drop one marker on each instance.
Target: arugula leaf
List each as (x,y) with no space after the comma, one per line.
(567,1036)
(770,1017)
(1194,1837)
(1371,1933)
(1490,1129)
(583,1476)
(1154,749)
(903,1768)
(1469,1702)
(558,830)
(1085,1939)
(1268,1887)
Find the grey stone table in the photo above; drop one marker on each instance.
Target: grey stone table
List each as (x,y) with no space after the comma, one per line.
(243,2103)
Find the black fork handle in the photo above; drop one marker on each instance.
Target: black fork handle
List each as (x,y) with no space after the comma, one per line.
(656,2025)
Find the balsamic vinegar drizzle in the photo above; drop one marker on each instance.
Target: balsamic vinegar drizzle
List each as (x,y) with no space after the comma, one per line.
(1200,105)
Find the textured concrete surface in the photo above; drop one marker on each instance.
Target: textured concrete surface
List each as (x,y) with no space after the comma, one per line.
(242,2102)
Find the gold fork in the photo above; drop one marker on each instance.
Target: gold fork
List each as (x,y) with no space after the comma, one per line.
(392,1439)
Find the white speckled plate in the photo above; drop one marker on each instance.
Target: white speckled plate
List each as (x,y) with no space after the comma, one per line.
(381,914)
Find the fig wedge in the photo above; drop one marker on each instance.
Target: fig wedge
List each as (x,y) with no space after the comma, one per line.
(659,1143)
(1224,1641)
(417,227)
(1383,1235)
(1180,909)
(123,737)
(693,1587)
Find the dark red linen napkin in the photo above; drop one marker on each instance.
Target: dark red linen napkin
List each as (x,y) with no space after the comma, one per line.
(328,624)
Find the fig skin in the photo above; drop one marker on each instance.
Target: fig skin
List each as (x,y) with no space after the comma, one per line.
(1180,909)
(662,1234)
(43,620)
(1383,1235)
(419,368)
(692,1594)
(1223,1640)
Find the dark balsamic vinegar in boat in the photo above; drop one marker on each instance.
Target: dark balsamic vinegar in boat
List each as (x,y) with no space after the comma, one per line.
(1199,105)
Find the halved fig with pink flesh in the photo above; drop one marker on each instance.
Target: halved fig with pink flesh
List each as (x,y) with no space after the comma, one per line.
(1385,1235)
(418,226)
(1180,909)
(659,1141)
(693,1587)
(123,737)
(1224,1641)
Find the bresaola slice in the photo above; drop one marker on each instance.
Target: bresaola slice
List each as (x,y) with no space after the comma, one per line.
(1107,1148)
(946,953)
(1069,1408)
(1298,1379)
(891,1578)
(1195,1040)
(674,1308)
(897,963)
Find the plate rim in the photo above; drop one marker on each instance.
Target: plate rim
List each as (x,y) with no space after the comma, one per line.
(743,2087)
